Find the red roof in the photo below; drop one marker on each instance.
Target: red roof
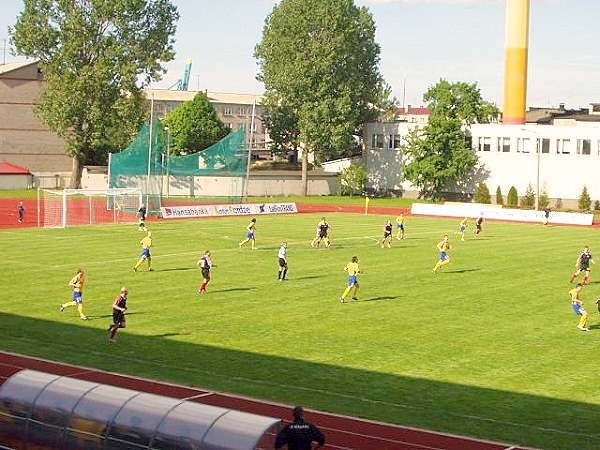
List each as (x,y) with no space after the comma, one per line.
(414,111)
(12,169)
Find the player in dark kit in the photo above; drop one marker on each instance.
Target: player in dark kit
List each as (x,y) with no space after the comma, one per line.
(20,212)
(387,235)
(205,264)
(299,435)
(478,224)
(142,218)
(119,307)
(583,265)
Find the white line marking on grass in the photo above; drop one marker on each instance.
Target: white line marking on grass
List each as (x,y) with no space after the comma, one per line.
(287,387)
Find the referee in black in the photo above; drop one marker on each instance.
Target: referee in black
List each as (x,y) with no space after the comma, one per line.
(299,435)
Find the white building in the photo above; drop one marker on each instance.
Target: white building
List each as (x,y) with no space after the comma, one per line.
(569,157)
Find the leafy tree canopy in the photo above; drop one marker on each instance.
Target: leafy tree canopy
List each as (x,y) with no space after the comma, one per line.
(194,126)
(96,57)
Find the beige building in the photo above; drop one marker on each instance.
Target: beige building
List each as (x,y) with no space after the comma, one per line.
(24,139)
(234,110)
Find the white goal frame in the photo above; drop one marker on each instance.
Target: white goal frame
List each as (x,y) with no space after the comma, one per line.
(56,215)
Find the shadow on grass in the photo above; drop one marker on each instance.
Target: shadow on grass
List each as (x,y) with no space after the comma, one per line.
(537,421)
(176,269)
(232,290)
(109,316)
(460,270)
(308,277)
(375,299)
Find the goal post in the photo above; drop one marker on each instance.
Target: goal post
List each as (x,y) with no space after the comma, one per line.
(60,209)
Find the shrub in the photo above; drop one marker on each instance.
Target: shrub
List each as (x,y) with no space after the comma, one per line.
(543,201)
(513,197)
(499,198)
(597,205)
(584,199)
(352,180)
(528,199)
(482,194)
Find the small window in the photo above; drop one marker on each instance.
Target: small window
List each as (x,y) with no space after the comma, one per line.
(562,146)
(523,145)
(377,141)
(485,144)
(545,145)
(228,111)
(584,146)
(395,141)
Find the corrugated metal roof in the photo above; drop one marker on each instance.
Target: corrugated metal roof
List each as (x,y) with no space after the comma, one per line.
(5,68)
(214,97)
(8,168)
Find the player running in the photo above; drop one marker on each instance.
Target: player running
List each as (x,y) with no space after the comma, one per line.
(577,306)
(141,214)
(283,262)
(205,264)
(478,224)
(76,284)
(353,270)
(145,255)
(387,234)
(119,307)
(462,229)
(443,246)
(400,227)
(583,265)
(250,229)
(322,234)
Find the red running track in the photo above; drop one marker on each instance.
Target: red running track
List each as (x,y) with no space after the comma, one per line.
(343,433)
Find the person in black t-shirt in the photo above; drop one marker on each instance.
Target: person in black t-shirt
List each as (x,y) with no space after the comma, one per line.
(299,435)
(142,218)
(119,307)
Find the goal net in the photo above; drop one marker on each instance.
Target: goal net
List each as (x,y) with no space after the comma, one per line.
(88,206)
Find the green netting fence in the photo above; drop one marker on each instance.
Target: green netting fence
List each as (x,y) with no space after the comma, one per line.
(216,173)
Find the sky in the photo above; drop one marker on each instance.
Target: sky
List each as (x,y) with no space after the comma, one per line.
(421,41)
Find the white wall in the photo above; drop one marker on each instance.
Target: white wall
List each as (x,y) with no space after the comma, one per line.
(338,165)
(562,174)
(16,181)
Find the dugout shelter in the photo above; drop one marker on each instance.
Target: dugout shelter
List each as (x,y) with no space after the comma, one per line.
(44,411)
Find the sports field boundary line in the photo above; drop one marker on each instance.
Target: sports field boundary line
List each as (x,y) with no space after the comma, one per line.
(204,393)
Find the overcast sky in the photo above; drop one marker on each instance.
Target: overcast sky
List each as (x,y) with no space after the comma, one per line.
(421,41)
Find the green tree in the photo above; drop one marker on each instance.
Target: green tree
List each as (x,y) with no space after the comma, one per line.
(528,199)
(499,198)
(512,199)
(597,205)
(482,194)
(319,61)
(353,179)
(460,101)
(283,130)
(544,200)
(585,202)
(438,154)
(96,57)
(194,126)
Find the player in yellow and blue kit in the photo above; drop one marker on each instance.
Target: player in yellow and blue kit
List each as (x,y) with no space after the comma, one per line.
(443,246)
(462,229)
(250,229)
(353,270)
(577,306)
(400,227)
(76,284)
(145,255)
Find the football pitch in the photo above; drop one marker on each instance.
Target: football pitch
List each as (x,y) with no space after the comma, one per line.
(487,347)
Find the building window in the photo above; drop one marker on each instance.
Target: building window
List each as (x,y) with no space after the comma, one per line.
(504,144)
(377,141)
(545,144)
(562,146)
(228,111)
(522,145)
(485,144)
(584,146)
(395,141)
(229,125)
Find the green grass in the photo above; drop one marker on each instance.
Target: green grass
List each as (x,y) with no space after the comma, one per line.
(488,347)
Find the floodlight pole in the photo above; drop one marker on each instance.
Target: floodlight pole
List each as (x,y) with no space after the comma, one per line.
(168,130)
(149,149)
(250,150)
